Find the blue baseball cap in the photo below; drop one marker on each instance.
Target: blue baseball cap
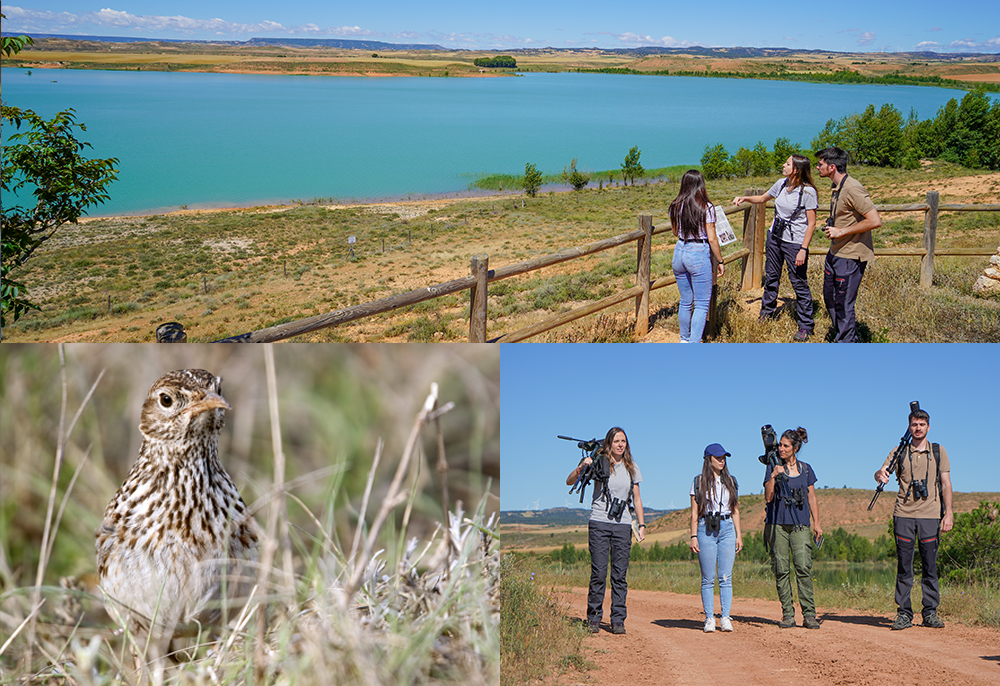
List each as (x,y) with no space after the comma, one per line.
(716,450)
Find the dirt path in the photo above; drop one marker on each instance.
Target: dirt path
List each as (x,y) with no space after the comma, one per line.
(665,645)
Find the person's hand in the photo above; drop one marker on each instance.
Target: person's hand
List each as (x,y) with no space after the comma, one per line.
(739,542)
(722,269)
(777,471)
(586,462)
(817,530)
(693,544)
(832,232)
(947,522)
(642,534)
(739,200)
(800,257)
(882,476)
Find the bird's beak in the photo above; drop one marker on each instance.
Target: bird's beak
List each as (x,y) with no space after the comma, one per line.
(211,401)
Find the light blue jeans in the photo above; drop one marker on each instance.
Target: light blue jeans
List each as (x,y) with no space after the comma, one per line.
(717,552)
(692,265)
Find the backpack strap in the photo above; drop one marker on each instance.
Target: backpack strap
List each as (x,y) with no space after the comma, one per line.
(936,449)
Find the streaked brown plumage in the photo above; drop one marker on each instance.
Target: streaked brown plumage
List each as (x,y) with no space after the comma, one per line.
(177,541)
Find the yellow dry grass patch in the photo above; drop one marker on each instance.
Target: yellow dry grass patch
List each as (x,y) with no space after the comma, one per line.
(123,58)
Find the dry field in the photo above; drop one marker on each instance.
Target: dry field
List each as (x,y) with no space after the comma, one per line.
(229,272)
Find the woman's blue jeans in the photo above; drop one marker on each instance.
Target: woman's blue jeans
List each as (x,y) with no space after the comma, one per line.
(692,265)
(716,554)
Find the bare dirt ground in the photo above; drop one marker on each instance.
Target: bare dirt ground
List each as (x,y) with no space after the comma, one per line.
(665,645)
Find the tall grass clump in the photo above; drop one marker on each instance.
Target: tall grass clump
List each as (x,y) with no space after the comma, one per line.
(536,636)
(366,576)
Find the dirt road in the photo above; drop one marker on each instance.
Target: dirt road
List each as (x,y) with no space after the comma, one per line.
(665,645)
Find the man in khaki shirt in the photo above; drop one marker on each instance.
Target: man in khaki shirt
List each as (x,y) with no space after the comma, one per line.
(923,509)
(852,219)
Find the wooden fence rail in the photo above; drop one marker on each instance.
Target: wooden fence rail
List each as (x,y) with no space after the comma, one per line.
(751,256)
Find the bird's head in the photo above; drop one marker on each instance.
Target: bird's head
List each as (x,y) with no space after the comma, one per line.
(184,404)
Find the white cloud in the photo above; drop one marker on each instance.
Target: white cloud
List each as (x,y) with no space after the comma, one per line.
(969,45)
(927,45)
(635,40)
(866,38)
(123,23)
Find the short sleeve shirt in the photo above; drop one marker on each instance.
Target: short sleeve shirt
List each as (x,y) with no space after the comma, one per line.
(784,508)
(785,201)
(922,466)
(709,219)
(849,204)
(718,496)
(618,487)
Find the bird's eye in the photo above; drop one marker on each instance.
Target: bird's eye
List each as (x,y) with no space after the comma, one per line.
(166,400)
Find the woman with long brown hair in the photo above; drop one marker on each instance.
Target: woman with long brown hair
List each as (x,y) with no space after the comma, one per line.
(715,532)
(692,218)
(610,527)
(795,204)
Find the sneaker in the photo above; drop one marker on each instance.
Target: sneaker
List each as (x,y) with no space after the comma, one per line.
(593,627)
(726,624)
(933,621)
(787,622)
(903,621)
(618,628)
(810,622)
(709,624)
(802,335)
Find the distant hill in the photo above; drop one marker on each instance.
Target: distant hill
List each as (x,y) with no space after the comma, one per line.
(847,508)
(561,516)
(287,42)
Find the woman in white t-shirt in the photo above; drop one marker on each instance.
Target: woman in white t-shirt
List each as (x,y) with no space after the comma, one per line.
(715,532)
(795,204)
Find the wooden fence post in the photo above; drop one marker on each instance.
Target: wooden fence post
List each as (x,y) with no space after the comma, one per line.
(930,238)
(643,257)
(754,235)
(477,299)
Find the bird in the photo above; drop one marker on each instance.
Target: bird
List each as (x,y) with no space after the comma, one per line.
(177,545)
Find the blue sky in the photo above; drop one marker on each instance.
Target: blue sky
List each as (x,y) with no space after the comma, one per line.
(846,26)
(673,400)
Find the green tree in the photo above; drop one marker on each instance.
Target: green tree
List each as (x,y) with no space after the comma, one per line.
(715,162)
(44,161)
(783,149)
(760,160)
(631,169)
(971,550)
(532,180)
(577,179)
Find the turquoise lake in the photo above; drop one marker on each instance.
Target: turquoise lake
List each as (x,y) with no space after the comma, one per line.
(217,140)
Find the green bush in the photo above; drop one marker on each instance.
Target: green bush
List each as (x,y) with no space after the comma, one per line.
(971,550)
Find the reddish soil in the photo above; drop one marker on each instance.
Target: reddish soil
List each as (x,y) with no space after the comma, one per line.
(665,644)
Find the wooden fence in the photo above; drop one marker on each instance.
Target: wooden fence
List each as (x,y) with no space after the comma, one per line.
(750,255)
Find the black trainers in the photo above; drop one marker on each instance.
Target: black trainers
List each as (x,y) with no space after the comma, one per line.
(933,621)
(903,621)
(787,622)
(810,622)
(618,628)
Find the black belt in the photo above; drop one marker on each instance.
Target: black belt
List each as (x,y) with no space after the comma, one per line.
(695,240)
(728,516)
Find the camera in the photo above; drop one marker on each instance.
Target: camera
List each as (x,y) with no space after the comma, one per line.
(770,456)
(616,509)
(829,222)
(712,522)
(919,489)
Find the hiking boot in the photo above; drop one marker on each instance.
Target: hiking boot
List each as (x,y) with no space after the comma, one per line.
(618,628)
(802,335)
(903,621)
(726,624)
(593,627)
(933,621)
(787,622)
(810,622)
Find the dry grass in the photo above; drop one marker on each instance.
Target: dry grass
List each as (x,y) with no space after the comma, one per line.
(226,273)
(356,594)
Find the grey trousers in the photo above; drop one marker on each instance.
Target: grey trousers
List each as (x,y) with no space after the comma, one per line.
(608,542)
